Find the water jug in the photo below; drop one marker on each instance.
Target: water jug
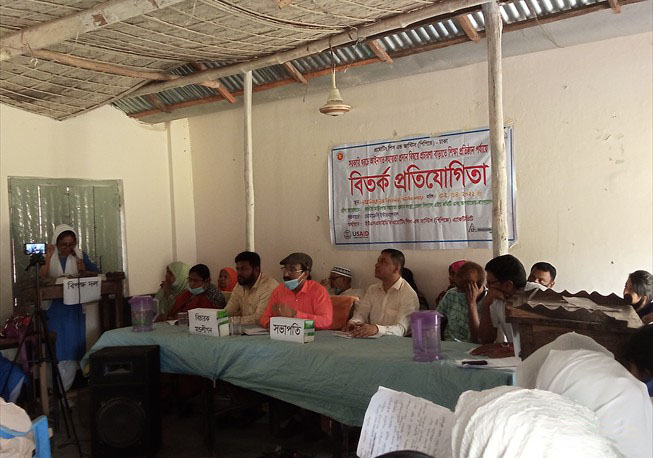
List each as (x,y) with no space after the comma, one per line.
(426,335)
(142,313)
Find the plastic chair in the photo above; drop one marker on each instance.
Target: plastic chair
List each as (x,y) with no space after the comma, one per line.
(41,436)
(341,308)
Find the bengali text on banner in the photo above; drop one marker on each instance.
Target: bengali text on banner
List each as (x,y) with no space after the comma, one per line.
(419,192)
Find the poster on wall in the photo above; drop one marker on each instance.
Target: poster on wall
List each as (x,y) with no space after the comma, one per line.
(427,192)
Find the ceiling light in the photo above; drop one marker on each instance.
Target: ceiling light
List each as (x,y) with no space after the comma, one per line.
(334,105)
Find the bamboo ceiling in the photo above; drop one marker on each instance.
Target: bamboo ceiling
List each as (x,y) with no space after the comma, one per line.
(177,38)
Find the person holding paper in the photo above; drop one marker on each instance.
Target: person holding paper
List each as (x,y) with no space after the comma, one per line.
(506,279)
(299,297)
(543,273)
(252,293)
(201,293)
(386,306)
(64,259)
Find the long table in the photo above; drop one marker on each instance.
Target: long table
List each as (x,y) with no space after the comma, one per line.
(332,376)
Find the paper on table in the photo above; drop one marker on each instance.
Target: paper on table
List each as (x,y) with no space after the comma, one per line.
(399,421)
(255,331)
(492,363)
(347,335)
(584,303)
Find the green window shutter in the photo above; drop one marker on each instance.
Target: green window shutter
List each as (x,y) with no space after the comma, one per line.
(92,208)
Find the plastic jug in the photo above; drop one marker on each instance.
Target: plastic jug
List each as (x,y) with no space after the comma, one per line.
(142,313)
(426,335)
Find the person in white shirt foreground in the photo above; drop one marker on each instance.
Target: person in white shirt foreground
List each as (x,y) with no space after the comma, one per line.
(387,306)
(572,400)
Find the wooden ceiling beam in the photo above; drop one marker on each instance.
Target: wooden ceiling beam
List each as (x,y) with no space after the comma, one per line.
(262,87)
(377,49)
(101,66)
(158,103)
(58,30)
(380,27)
(296,74)
(468,28)
(217,85)
(432,46)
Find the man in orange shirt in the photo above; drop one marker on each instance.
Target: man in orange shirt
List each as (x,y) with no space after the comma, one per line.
(299,297)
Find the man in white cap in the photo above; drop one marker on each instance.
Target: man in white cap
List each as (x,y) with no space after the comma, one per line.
(339,283)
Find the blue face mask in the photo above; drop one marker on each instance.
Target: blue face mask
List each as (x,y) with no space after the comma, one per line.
(292,284)
(196,291)
(337,291)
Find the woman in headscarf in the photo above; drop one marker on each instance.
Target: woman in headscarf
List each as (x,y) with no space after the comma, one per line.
(227,279)
(174,283)
(64,259)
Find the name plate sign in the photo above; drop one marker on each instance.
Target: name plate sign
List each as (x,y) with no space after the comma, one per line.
(82,290)
(292,329)
(208,322)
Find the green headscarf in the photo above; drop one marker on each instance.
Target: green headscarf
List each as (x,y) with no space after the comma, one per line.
(180,271)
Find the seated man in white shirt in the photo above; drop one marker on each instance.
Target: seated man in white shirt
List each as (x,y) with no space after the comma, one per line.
(252,293)
(506,280)
(386,306)
(339,283)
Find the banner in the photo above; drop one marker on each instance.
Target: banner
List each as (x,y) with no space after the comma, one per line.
(422,192)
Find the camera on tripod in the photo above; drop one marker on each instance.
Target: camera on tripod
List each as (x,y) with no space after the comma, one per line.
(36,251)
(34,248)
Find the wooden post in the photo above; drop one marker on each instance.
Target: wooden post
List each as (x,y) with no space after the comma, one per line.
(493,27)
(249,170)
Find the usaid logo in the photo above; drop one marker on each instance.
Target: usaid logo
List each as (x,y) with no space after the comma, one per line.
(361,234)
(347,234)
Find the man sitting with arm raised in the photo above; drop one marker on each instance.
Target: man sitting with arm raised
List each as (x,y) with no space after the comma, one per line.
(387,306)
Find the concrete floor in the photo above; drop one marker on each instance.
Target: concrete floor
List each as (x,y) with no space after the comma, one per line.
(182,436)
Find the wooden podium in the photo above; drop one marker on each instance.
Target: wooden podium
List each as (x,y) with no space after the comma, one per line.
(539,325)
(111,311)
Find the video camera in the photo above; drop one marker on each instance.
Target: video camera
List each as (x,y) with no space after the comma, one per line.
(34,248)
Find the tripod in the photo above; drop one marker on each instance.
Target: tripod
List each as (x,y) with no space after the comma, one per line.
(39,328)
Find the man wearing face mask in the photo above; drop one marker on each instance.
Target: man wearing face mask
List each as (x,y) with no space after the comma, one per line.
(638,292)
(201,293)
(339,283)
(299,297)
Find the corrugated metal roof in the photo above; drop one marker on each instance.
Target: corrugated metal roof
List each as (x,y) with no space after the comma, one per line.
(411,38)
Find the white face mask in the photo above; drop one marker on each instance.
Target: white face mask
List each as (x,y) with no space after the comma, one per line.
(294,283)
(196,291)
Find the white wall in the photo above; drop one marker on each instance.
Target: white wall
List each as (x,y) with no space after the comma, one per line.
(103,144)
(582,119)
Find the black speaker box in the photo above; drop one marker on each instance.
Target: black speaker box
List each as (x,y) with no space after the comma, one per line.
(125,415)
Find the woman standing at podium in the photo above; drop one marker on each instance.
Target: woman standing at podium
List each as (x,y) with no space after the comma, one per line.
(64,259)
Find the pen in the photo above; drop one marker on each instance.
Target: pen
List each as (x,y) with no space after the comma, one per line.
(475,362)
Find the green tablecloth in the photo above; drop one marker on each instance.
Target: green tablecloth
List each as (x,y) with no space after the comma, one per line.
(332,376)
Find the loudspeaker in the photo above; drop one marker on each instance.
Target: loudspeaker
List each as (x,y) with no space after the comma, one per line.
(125,414)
